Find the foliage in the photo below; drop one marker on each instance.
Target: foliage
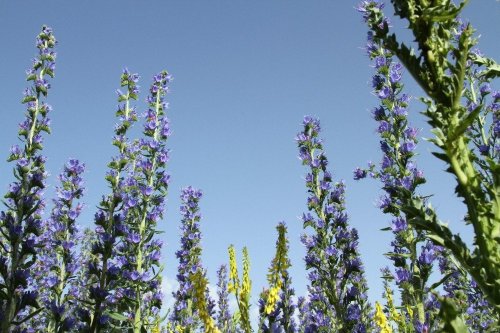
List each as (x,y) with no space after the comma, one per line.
(450,71)
(55,277)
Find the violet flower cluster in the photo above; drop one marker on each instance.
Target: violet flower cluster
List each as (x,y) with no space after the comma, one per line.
(54,278)
(59,259)
(102,267)
(337,289)
(20,222)
(184,313)
(124,265)
(224,320)
(138,254)
(470,301)
(412,255)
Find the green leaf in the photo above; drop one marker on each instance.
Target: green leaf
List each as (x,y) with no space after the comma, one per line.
(465,123)
(441,13)
(394,254)
(117,316)
(441,156)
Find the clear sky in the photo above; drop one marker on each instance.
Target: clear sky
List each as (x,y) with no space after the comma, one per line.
(245,74)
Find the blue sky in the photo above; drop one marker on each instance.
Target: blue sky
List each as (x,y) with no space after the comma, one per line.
(245,74)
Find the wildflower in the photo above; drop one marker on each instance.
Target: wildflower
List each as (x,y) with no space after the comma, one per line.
(330,307)
(224,316)
(189,259)
(381,319)
(276,306)
(241,289)
(59,255)
(20,223)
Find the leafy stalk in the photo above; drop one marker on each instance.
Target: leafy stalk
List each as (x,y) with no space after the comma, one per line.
(20,223)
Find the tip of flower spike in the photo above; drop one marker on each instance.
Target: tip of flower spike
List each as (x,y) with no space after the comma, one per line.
(190,192)
(359,173)
(46,36)
(311,121)
(46,29)
(365,6)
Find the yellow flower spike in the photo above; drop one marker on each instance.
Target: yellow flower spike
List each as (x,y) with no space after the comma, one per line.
(279,265)
(381,319)
(234,284)
(242,292)
(394,315)
(247,284)
(177,329)
(272,299)
(200,285)
(410,311)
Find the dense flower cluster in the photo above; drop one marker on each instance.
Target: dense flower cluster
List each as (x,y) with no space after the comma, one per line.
(124,264)
(241,288)
(412,255)
(337,289)
(476,310)
(224,321)
(146,184)
(20,223)
(184,313)
(103,268)
(56,278)
(59,259)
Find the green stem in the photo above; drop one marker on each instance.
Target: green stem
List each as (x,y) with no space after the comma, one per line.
(142,227)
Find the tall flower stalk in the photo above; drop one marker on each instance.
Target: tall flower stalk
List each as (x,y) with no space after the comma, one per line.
(276,304)
(110,217)
(146,189)
(303,315)
(185,313)
(59,260)
(201,303)
(441,67)
(20,223)
(413,255)
(224,315)
(337,288)
(241,289)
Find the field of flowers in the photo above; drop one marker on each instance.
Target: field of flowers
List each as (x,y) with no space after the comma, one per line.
(58,277)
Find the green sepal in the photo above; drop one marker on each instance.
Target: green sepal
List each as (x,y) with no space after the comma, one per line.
(122,98)
(28,99)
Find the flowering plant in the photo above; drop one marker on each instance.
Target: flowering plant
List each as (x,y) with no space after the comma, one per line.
(55,277)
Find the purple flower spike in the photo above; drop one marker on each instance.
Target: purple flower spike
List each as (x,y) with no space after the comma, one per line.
(332,253)
(189,260)
(20,222)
